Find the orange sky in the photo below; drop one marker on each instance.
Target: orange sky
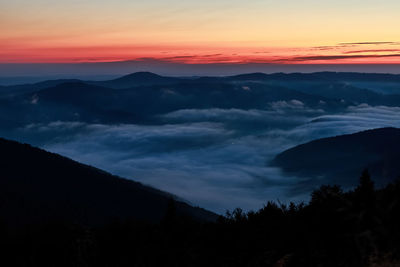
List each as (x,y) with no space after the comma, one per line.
(221,31)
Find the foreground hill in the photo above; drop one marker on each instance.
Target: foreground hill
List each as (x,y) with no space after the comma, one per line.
(37,186)
(358,228)
(339,159)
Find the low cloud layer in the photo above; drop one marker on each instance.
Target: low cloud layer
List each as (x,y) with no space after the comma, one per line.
(214,158)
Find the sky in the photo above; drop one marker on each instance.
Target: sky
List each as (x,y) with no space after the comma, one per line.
(200,32)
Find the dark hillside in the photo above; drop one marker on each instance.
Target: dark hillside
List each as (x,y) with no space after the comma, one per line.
(38,186)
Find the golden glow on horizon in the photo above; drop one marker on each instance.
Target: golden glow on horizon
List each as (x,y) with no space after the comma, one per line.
(223,31)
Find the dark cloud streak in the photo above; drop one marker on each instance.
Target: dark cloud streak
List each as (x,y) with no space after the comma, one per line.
(336,57)
(372,51)
(371,43)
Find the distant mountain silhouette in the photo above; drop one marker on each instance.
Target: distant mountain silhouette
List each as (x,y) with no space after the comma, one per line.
(26,88)
(71,90)
(146,96)
(344,91)
(79,101)
(250,76)
(72,101)
(319,76)
(343,85)
(148,78)
(138,79)
(38,186)
(336,159)
(131,80)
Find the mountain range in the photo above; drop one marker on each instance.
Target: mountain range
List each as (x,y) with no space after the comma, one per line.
(142,97)
(176,119)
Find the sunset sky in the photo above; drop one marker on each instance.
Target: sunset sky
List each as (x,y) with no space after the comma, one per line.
(208,31)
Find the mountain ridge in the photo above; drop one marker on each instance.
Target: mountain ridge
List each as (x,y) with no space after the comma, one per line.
(343,155)
(145,77)
(37,186)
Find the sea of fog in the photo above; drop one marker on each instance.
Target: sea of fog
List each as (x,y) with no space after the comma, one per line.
(214,158)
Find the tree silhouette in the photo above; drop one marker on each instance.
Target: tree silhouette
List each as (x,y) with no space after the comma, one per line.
(365,191)
(335,228)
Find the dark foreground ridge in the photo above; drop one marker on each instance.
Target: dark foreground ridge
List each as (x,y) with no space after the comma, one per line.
(53,213)
(339,159)
(37,186)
